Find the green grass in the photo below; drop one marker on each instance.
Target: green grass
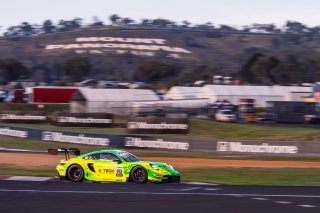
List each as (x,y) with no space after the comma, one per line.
(230,176)
(40,172)
(213,130)
(33,107)
(254,176)
(208,129)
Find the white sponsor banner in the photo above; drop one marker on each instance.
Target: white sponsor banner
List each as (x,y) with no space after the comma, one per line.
(223,146)
(22,117)
(13,133)
(64,119)
(77,139)
(162,125)
(159,143)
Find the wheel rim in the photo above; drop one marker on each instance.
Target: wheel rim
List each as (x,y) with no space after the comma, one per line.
(140,175)
(76,174)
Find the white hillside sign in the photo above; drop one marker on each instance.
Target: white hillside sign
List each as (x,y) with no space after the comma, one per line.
(118,45)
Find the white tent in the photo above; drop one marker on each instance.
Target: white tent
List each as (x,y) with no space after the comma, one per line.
(115,101)
(234,93)
(261,94)
(178,92)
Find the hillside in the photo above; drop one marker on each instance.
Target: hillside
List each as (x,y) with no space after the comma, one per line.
(115,55)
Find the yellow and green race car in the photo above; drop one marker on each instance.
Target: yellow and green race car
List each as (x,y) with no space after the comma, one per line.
(112,165)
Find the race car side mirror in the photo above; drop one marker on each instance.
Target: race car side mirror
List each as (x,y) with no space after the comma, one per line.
(117,160)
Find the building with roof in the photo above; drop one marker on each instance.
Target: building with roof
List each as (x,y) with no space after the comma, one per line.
(233,93)
(114,101)
(50,94)
(179,92)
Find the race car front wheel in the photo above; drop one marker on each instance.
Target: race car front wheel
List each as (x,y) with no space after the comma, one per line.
(75,173)
(139,174)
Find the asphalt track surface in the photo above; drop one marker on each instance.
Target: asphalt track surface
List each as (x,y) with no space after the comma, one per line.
(61,196)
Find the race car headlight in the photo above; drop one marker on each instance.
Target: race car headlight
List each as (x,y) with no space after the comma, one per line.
(170,167)
(154,167)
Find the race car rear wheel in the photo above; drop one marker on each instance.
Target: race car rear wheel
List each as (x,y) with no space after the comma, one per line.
(139,175)
(75,173)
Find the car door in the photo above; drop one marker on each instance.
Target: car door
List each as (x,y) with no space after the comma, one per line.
(109,167)
(106,167)
(94,164)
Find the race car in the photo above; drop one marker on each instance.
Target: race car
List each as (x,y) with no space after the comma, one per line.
(112,165)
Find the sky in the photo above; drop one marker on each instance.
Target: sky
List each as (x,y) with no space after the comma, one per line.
(230,12)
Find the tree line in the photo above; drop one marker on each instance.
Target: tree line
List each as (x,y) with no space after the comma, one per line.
(259,69)
(277,65)
(48,26)
(262,69)
(75,68)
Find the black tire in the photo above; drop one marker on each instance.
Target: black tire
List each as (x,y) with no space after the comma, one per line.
(139,175)
(75,173)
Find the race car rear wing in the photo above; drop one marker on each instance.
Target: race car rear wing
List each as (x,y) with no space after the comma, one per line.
(66,152)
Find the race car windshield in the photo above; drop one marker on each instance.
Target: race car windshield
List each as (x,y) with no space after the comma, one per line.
(129,157)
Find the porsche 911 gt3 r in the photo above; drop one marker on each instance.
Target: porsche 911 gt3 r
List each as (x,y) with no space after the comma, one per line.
(113,165)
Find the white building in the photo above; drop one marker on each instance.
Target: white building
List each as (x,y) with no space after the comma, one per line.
(115,101)
(234,93)
(178,92)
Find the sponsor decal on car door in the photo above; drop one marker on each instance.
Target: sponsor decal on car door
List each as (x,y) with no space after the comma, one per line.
(105,169)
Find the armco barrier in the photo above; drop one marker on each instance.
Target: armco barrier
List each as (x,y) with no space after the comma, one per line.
(264,148)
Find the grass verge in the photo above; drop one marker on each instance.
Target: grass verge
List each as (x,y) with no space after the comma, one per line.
(255,176)
(230,176)
(40,172)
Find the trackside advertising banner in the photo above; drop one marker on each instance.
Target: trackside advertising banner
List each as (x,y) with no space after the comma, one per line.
(155,143)
(223,146)
(84,119)
(265,148)
(63,137)
(157,125)
(23,117)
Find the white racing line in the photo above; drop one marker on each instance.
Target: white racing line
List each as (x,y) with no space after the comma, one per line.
(157,193)
(34,178)
(194,188)
(28,178)
(283,202)
(200,183)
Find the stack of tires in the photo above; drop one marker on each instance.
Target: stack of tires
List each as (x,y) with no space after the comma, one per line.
(247,110)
